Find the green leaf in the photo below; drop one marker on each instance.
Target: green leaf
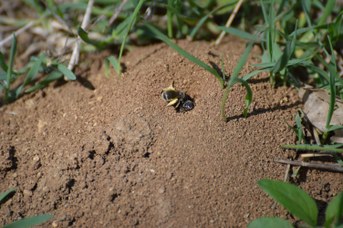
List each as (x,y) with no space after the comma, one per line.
(204,18)
(33,72)
(184,53)
(299,127)
(332,78)
(241,34)
(67,73)
(304,147)
(270,223)
(3,195)
(294,199)
(248,97)
(133,18)
(53,76)
(170,18)
(234,79)
(115,64)
(30,221)
(334,128)
(3,64)
(334,211)
(252,74)
(10,70)
(330,4)
(84,36)
(286,55)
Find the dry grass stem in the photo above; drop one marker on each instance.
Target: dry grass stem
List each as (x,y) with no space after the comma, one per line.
(229,21)
(117,12)
(16,33)
(329,167)
(74,60)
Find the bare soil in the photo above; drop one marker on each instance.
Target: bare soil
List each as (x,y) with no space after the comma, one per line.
(107,152)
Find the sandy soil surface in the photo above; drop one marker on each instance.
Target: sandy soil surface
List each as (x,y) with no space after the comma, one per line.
(107,152)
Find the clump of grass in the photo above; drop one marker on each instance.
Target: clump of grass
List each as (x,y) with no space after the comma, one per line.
(27,78)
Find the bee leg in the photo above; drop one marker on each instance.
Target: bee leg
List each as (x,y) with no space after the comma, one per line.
(173,102)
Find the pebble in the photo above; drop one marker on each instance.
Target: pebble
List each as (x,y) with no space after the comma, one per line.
(27,192)
(161,190)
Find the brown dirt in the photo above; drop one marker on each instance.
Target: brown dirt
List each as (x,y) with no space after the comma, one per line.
(104,152)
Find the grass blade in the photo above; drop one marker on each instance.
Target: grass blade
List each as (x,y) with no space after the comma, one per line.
(252,74)
(332,78)
(327,11)
(285,57)
(67,73)
(3,64)
(4,195)
(270,223)
(334,211)
(30,221)
(204,19)
(299,130)
(184,53)
(294,199)
(33,72)
(10,69)
(310,147)
(170,18)
(243,59)
(84,36)
(234,79)
(115,64)
(53,76)
(248,97)
(133,18)
(241,34)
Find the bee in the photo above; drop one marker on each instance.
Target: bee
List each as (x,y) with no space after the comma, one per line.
(180,100)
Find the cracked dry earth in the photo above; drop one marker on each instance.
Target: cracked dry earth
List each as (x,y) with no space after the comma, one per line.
(107,152)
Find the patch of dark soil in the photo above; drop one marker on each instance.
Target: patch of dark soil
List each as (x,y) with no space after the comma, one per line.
(115,155)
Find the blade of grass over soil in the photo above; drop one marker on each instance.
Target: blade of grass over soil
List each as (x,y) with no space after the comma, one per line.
(159,35)
(67,73)
(205,18)
(270,223)
(3,195)
(13,51)
(30,221)
(133,18)
(294,199)
(234,79)
(115,64)
(334,211)
(241,34)
(310,147)
(332,85)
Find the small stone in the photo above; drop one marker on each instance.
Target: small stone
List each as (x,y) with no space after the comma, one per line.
(36,158)
(161,190)
(152,170)
(27,192)
(54,224)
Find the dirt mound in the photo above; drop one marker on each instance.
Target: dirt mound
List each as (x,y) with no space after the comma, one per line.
(104,152)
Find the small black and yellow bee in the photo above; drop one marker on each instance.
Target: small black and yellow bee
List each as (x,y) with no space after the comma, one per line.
(180,100)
